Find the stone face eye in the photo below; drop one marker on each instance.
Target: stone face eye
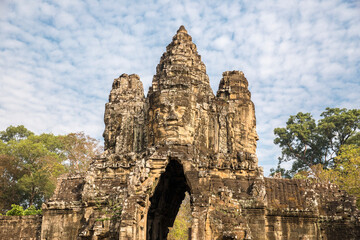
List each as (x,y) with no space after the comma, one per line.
(180,110)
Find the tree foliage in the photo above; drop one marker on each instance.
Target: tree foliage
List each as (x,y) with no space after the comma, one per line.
(38,164)
(79,150)
(32,211)
(10,173)
(345,174)
(15,133)
(306,142)
(17,210)
(30,163)
(182,223)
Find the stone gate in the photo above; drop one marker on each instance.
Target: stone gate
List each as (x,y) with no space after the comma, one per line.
(182,138)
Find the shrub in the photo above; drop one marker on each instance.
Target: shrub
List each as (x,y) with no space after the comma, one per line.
(19,211)
(15,211)
(32,211)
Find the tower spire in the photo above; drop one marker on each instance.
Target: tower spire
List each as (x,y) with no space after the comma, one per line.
(182,29)
(181,66)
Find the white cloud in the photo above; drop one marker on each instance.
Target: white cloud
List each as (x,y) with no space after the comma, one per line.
(58,60)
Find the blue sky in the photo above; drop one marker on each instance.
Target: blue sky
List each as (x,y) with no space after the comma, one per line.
(58,58)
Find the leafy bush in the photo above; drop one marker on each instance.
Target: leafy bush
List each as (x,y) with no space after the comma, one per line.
(15,211)
(32,211)
(19,211)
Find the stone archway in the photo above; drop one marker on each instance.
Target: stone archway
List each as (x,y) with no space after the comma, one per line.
(166,201)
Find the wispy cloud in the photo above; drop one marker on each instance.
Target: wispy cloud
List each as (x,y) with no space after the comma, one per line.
(58,59)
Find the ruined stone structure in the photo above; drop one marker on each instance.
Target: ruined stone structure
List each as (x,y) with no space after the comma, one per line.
(182,138)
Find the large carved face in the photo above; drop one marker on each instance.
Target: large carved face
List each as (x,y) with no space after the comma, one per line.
(171,117)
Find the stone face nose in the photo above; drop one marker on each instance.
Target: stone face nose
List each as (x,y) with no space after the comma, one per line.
(172,115)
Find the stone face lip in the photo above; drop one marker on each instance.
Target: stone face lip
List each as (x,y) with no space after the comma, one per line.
(182,138)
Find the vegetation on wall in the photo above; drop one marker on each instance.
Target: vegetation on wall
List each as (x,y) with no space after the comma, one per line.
(17,210)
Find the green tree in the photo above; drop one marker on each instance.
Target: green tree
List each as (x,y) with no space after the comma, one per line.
(37,165)
(346,173)
(307,143)
(15,133)
(180,229)
(30,163)
(355,139)
(10,172)
(15,210)
(79,150)
(32,211)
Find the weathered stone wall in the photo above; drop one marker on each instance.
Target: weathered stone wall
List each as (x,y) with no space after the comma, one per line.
(292,227)
(20,227)
(299,209)
(62,222)
(62,215)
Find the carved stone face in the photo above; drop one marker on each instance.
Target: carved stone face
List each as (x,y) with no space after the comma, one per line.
(171,117)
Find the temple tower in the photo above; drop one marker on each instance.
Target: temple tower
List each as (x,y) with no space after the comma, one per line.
(182,138)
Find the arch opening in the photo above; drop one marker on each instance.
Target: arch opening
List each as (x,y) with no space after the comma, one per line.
(166,201)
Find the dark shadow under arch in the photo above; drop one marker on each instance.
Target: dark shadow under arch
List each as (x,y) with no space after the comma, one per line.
(166,201)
